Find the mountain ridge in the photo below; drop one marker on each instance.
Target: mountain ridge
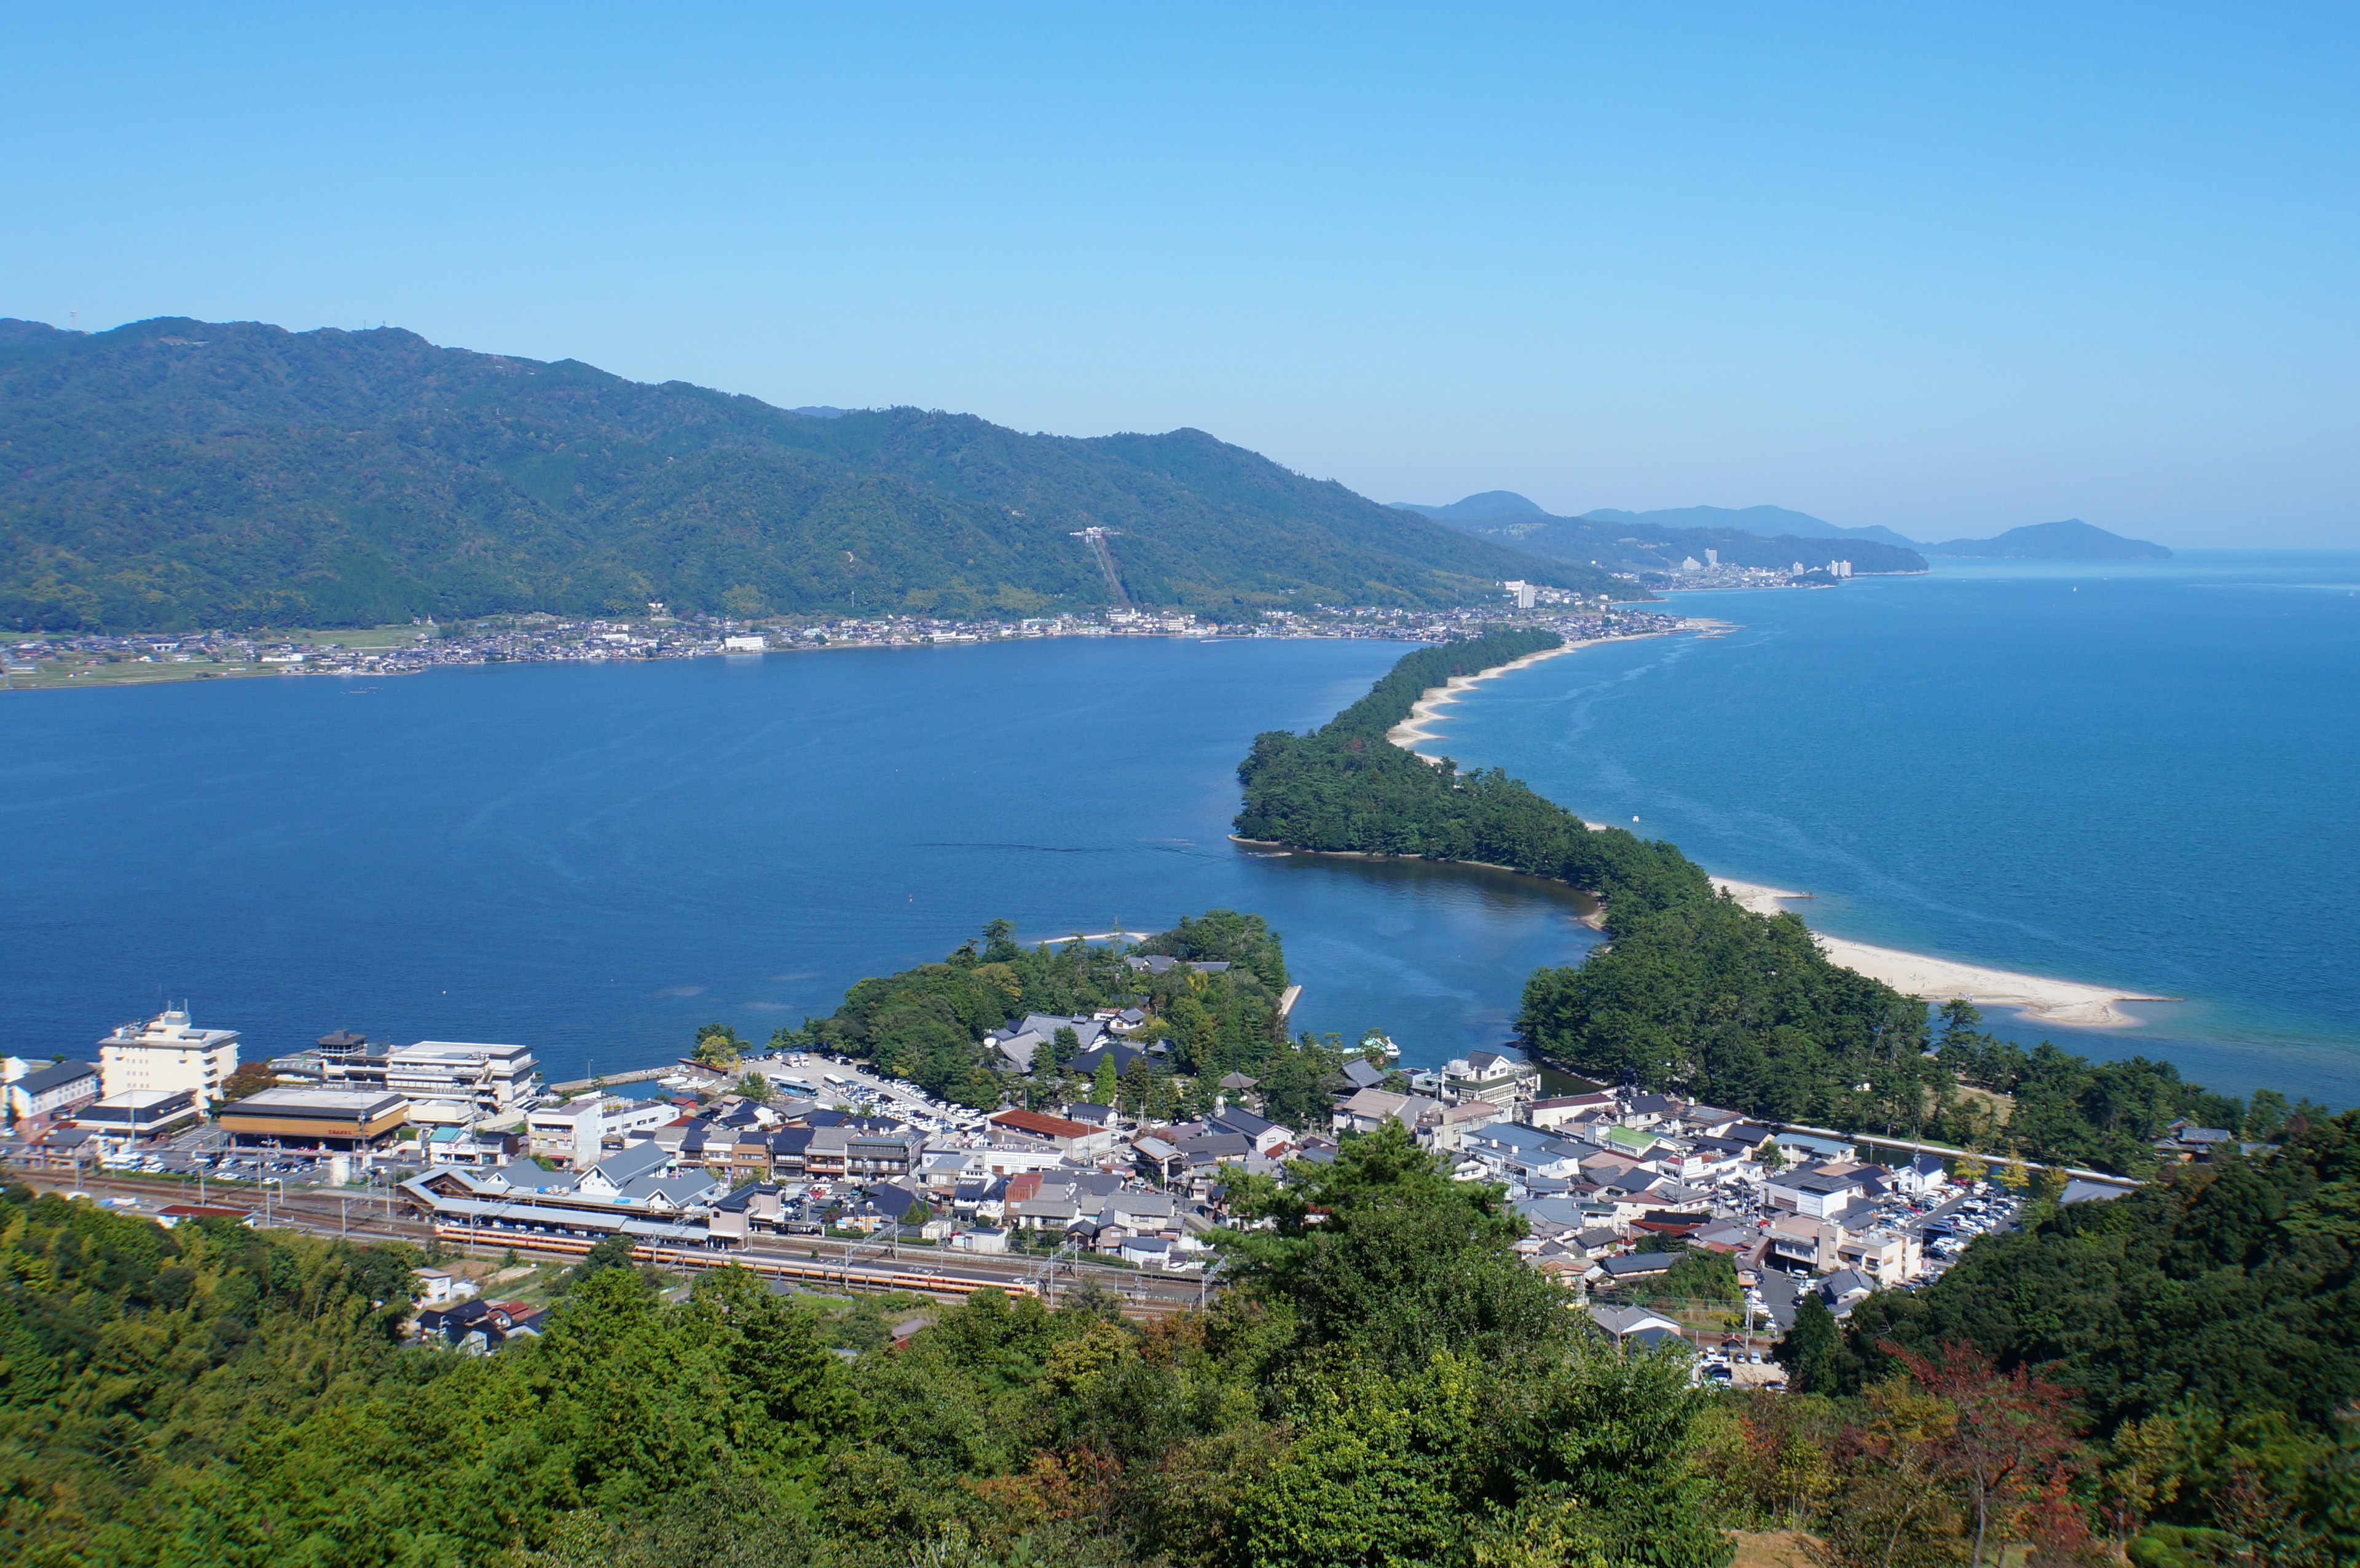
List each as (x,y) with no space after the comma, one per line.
(174,472)
(1627,541)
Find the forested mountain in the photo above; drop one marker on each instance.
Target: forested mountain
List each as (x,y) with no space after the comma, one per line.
(175,474)
(1628,542)
(1767,521)
(2071,540)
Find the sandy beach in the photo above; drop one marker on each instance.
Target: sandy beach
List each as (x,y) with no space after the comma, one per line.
(1419,725)
(1938,980)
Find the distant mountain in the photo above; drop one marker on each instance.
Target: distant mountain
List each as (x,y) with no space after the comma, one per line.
(1770,522)
(2071,540)
(1636,543)
(173,473)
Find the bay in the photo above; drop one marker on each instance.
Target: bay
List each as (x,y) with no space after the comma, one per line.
(594,859)
(2134,775)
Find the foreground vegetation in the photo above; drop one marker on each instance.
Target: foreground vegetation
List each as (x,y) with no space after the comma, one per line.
(1693,992)
(1385,1382)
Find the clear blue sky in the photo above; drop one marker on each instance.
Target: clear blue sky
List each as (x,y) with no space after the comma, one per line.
(1948,268)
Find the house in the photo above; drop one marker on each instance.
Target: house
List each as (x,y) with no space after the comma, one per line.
(2186,1141)
(1263,1134)
(42,1094)
(1633,1267)
(1798,1242)
(618,1171)
(1147,1251)
(1490,1076)
(1372,1108)
(1514,1148)
(2079,1192)
(1157,1160)
(1845,1289)
(1122,1055)
(1921,1175)
(1557,1110)
(1621,1324)
(1446,1128)
(1359,1072)
(1886,1258)
(1817,1192)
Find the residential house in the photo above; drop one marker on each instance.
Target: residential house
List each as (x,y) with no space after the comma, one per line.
(1558,1111)
(1490,1076)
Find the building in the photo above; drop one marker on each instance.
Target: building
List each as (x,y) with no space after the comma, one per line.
(119,1120)
(1071,1138)
(462,1083)
(169,1054)
(1488,1075)
(45,1093)
(338,1120)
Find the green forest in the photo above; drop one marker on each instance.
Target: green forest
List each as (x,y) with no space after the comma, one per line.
(174,475)
(1384,1381)
(927,1024)
(1693,992)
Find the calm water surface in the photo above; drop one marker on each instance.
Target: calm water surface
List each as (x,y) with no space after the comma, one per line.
(2141,776)
(594,859)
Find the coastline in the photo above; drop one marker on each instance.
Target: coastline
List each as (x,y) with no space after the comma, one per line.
(1425,713)
(1938,980)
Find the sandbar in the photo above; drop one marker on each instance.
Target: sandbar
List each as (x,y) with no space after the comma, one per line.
(1941,979)
(1423,714)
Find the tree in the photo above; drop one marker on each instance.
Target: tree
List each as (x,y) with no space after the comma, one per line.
(718,1047)
(1968,1170)
(2013,1175)
(755,1087)
(1382,1252)
(2013,1431)
(1103,1082)
(1810,1351)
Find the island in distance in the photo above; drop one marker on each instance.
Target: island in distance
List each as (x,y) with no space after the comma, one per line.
(1768,536)
(173,473)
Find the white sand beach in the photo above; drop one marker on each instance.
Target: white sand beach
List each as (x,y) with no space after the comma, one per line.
(1938,980)
(1422,719)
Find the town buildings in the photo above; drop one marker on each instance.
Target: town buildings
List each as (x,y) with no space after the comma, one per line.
(168,1053)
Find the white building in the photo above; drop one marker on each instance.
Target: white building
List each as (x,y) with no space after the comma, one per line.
(169,1054)
(749,643)
(460,1083)
(1525,594)
(577,1131)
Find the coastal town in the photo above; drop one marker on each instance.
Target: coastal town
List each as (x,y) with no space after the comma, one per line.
(822,1175)
(113,659)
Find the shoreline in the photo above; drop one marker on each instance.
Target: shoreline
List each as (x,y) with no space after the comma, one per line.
(1936,980)
(1425,713)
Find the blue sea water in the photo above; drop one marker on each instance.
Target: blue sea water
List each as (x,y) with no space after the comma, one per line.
(2138,777)
(2141,776)
(593,860)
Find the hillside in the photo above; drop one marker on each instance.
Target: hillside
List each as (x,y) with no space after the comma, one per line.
(1770,522)
(2071,540)
(175,474)
(1619,541)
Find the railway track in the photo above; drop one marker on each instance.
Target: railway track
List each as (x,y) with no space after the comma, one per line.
(840,1264)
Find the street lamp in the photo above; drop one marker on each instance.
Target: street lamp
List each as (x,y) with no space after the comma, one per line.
(267,1180)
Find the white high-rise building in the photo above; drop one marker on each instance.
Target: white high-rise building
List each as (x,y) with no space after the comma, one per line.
(1525,594)
(167,1053)
(1712,558)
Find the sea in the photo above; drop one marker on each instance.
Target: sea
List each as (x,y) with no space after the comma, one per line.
(2137,776)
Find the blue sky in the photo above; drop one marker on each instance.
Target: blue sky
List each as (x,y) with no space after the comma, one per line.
(1949,269)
